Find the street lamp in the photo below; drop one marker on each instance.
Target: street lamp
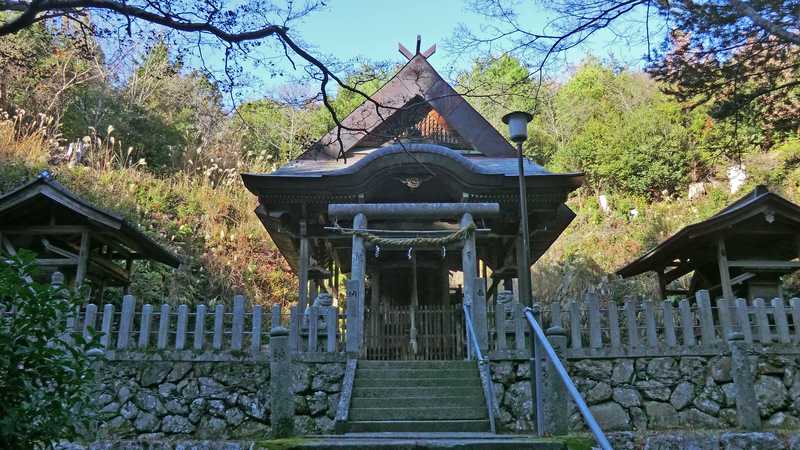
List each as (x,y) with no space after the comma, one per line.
(517,122)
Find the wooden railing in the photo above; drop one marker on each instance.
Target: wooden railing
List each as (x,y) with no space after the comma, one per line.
(699,326)
(169,327)
(652,328)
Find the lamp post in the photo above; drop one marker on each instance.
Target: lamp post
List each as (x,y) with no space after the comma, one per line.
(517,122)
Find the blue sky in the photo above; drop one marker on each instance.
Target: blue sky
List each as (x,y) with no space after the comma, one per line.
(370,30)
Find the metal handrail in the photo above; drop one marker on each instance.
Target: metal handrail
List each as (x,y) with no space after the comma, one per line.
(599,436)
(483,364)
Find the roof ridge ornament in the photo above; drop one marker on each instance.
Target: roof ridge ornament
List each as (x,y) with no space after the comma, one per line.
(409,56)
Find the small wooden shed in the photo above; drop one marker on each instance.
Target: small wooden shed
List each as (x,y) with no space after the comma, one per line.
(71,235)
(740,252)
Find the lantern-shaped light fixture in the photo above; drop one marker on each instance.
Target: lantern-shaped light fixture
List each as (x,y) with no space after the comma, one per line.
(517,122)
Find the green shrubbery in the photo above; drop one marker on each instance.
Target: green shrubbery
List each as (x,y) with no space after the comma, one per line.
(45,371)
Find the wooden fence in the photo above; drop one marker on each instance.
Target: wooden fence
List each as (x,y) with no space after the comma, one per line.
(439,332)
(653,328)
(700,326)
(202,328)
(595,329)
(169,327)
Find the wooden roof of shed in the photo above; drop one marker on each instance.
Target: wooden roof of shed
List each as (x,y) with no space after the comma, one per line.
(45,190)
(692,237)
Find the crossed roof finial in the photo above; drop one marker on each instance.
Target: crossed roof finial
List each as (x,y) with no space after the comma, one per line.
(426,54)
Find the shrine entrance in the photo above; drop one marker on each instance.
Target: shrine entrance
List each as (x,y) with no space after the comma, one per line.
(439,333)
(412,312)
(401,300)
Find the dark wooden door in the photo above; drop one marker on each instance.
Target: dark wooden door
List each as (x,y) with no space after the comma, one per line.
(439,332)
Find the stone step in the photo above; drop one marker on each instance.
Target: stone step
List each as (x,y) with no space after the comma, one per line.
(472,381)
(414,391)
(417,426)
(471,401)
(379,373)
(458,364)
(503,443)
(432,413)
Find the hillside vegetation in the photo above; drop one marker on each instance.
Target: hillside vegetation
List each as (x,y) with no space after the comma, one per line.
(158,145)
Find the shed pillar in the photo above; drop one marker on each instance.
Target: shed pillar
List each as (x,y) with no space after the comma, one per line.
(83,260)
(724,270)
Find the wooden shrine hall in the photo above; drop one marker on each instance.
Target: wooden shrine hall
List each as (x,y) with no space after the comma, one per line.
(740,252)
(69,234)
(415,197)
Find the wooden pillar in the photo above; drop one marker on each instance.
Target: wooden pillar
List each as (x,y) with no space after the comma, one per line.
(523,276)
(724,271)
(303,267)
(83,260)
(358,264)
(662,285)
(445,275)
(128,270)
(414,304)
(335,282)
(103,290)
(469,263)
(313,291)
(375,297)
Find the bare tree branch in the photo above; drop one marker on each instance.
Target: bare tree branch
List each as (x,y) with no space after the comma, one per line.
(769,26)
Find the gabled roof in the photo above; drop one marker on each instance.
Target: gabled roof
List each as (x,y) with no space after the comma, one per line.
(44,187)
(758,201)
(416,80)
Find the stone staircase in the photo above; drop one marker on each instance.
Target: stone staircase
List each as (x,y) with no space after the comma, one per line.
(417,396)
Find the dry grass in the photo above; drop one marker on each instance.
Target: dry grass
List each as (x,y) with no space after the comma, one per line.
(26,138)
(211,225)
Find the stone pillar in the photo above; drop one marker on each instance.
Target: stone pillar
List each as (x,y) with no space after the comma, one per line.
(469,262)
(280,366)
(747,411)
(554,394)
(358,263)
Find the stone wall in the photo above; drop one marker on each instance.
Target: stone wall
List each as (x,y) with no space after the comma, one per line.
(221,398)
(512,392)
(194,399)
(639,394)
(316,388)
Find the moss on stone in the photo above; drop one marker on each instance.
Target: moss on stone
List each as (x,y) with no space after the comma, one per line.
(578,442)
(281,444)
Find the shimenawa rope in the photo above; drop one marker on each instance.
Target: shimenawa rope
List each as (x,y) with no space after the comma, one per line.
(459,235)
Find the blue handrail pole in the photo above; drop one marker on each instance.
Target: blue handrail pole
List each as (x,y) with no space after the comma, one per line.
(599,436)
(472,340)
(536,373)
